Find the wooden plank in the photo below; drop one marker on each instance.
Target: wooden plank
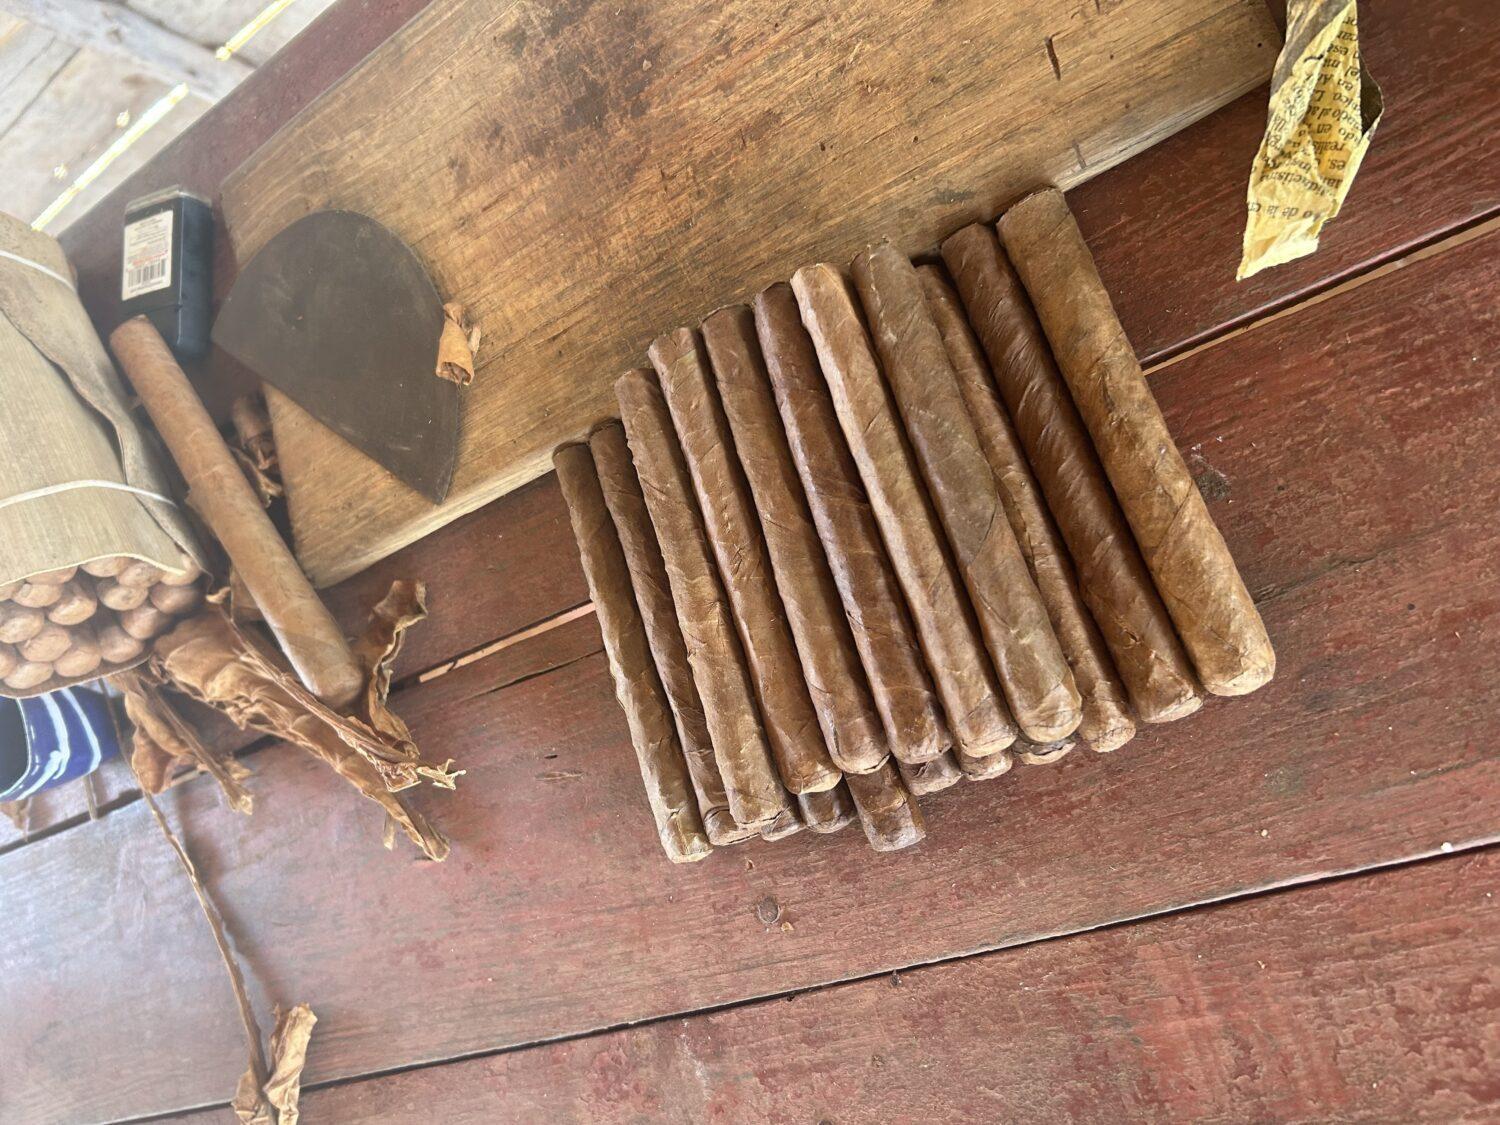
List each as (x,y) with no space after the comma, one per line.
(213,24)
(1352,481)
(1369,998)
(627,166)
(29,59)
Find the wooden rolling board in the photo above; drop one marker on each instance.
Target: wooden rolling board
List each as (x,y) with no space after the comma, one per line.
(582,176)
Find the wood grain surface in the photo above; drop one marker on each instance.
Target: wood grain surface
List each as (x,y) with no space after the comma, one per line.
(1372,998)
(625,166)
(1347,455)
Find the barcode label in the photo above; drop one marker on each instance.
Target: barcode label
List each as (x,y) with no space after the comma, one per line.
(147,264)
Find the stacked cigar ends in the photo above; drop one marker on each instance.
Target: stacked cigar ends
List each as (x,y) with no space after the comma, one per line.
(886,530)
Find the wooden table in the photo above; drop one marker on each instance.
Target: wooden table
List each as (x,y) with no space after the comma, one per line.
(1284,907)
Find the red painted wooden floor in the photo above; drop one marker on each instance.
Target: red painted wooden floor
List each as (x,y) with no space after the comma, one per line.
(1280,909)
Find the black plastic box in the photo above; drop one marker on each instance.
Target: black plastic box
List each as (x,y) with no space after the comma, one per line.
(167,268)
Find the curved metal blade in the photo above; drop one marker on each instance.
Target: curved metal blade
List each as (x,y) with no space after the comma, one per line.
(337,312)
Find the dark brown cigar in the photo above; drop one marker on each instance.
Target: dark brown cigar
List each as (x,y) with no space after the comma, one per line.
(829,810)
(754,791)
(734,534)
(887,812)
(835,680)
(1194,571)
(663,768)
(872,600)
(945,627)
(653,596)
(1112,577)
(934,776)
(1107,723)
(1012,619)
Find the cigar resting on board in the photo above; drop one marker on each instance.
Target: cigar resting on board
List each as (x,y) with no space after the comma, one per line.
(873,606)
(734,533)
(934,776)
(1194,571)
(1042,754)
(788,822)
(960,669)
(751,784)
(306,631)
(983,769)
(829,810)
(674,805)
(887,812)
(1107,723)
(1112,577)
(835,678)
(1033,673)
(653,597)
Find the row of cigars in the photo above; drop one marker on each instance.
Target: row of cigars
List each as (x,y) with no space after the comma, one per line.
(859,541)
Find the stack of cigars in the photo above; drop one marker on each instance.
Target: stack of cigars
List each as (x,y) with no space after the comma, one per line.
(65,626)
(858,542)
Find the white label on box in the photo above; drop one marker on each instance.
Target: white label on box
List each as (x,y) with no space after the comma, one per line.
(148,255)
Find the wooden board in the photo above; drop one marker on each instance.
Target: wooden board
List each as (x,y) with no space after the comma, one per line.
(1351,479)
(585,176)
(1371,998)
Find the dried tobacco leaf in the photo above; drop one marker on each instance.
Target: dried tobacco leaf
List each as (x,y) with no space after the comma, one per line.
(457,345)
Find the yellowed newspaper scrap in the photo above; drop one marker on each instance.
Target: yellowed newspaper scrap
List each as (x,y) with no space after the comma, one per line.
(1324,109)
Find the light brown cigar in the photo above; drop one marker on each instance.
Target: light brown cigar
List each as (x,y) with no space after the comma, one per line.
(138,573)
(944,625)
(36,595)
(1107,723)
(114,596)
(1033,673)
(679,826)
(753,789)
(20,623)
(176,600)
(829,810)
(186,577)
(830,665)
(106,567)
(729,518)
(50,642)
(936,775)
(788,822)
(873,606)
(82,658)
(1112,578)
(983,769)
(1035,754)
(7,589)
(887,812)
(9,658)
(116,645)
(28,675)
(1194,571)
(145,621)
(53,577)
(309,636)
(653,597)
(76,605)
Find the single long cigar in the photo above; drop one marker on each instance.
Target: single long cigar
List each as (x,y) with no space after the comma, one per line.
(829,810)
(1112,577)
(729,518)
(835,679)
(983,769)
(674,806)
(653,596)
(887,812)
(1194,571)
(751,784)
(308,635)
(936,775)
(788,822)
(958,664)
(873,606)
(1012,619)
(1107,723)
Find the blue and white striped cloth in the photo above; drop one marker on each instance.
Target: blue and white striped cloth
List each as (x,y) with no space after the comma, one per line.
(54,738)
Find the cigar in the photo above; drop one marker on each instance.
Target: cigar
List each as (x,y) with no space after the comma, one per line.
(935,775)
(1107,723)
(106,567)
(753,789)
(9,658)
(1194,571)
(53,577)
(83,656)
(960,669)
(185,577)
(887,813)
(7,589)
(653,597)
(679,825)
(50,642)
(27,675)
(145,621)
(835,679)
(729,518)
(1039,754)
(176,600)
(1033,673)
(36,595)
(76,605)
(138,572)
(118,646)
(308,635)
(873,606)
(829,810)
(120,598)
(788,822)
(983,769)
(19,623)
(1112,578)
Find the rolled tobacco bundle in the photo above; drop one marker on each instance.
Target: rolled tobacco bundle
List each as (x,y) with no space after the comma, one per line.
(829,810)
(887,813)
(1194,571)
(936,775)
